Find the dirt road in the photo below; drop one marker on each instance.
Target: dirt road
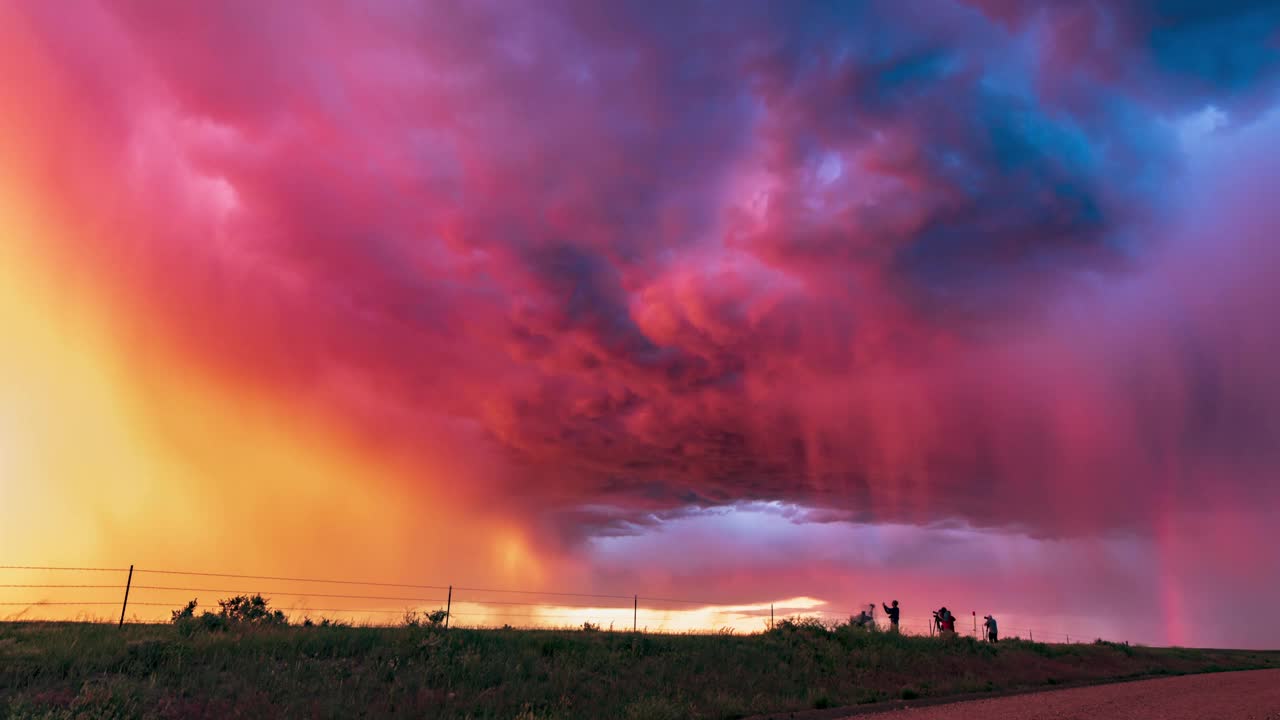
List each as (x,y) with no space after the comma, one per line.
(1251,695)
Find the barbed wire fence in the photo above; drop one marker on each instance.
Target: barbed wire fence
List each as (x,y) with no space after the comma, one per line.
(388,603)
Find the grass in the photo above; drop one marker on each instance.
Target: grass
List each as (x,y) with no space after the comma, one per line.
(81,670)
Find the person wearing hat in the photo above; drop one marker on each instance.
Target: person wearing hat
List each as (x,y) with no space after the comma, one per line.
(989,623)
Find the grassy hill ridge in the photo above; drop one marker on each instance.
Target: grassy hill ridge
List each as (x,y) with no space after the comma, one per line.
(80,670)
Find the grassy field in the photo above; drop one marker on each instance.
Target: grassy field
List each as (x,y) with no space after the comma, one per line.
(70,670)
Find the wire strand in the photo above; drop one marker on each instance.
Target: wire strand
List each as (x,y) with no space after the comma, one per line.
(290,579)
(287,594)
(75,569)
(456,588)
(684,602)
(37,604)
(532,615)
(544,592)
(469,601)
(101,587)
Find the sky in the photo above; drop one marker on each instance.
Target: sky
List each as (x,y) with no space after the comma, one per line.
(958,302)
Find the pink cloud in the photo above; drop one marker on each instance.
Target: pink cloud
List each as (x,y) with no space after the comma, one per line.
(655,264)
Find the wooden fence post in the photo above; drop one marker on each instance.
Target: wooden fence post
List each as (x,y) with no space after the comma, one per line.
(635,611)
(770,616)
(448,608)
(128,584)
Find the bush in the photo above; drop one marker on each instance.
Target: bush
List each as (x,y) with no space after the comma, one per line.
(433,619)
(590,627)
(186,612)
(250,610)
(810,625)
(324,622)
(211,622)
(1122,647)
(188,622)
(238,611)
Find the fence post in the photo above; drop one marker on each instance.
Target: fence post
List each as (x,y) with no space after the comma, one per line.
(770,616)
(975,622)
(128,584)
(1032,633)
(448,608)
(635,611)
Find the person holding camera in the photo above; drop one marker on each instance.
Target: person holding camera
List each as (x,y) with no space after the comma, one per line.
(893,613)
(863,620)
(944,621)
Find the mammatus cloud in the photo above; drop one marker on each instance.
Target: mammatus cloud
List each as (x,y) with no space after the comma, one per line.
(943,264)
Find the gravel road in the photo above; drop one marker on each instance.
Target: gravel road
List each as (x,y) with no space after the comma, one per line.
(1250,695)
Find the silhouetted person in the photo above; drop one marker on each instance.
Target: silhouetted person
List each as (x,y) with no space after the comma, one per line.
(892,612)
(989,623)
(946,621)
(863,620)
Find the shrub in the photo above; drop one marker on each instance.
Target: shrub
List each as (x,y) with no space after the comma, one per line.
(811,625)
(188,622)
(237,611)
(590,627)
(212,622)
(250,610)
(433,619)
(1122,647)
(324,622)
(186,612)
